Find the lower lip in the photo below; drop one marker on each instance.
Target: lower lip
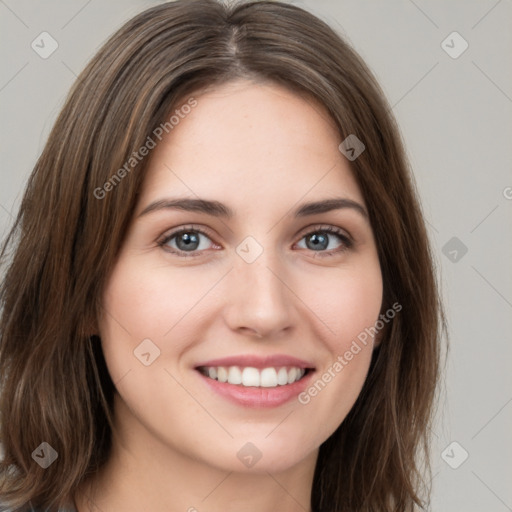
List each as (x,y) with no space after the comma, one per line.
(258,396)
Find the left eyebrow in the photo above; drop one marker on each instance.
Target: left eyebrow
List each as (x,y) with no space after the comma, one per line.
(218,209)
(328,205)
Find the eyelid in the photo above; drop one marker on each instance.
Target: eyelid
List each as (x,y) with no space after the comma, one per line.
(187,227)
(345,237)
(347,240)
(166,237)
(330,228)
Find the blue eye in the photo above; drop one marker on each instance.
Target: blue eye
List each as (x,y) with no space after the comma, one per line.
(319,240)
(187,242)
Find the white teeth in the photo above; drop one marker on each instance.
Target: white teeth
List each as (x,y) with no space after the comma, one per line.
(268,378)
(250,377)
(253,377)
(292,375)
(234,375)
(282,376)
(222,374)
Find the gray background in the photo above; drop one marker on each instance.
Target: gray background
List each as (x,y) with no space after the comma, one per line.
(455,117)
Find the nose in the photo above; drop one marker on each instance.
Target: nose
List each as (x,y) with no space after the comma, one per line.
(259,300)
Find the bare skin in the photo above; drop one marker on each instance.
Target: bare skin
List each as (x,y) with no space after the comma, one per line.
(262,151)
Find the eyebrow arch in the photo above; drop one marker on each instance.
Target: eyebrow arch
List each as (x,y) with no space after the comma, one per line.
(218,209)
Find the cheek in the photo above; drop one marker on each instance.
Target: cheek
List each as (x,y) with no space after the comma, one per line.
(142,303)
(149,302)
(146,301)
(347,303)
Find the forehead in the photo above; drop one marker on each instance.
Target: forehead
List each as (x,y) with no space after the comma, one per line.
(247,143)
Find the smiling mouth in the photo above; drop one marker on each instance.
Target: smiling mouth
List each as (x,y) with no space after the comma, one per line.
(270,377)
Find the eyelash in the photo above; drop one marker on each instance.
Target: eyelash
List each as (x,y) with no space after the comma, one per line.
(346,241)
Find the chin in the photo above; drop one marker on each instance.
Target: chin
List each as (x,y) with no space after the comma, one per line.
(258,455)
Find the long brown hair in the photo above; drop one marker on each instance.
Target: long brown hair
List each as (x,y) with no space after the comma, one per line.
(55,384)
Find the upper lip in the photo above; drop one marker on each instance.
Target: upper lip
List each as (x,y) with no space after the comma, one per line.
(254,361)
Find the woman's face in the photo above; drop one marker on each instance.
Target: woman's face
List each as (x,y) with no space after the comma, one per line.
(261,296)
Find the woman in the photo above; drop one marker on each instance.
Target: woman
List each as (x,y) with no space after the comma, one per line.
(221,294)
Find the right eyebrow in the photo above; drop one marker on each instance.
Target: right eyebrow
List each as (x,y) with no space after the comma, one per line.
(214,208)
